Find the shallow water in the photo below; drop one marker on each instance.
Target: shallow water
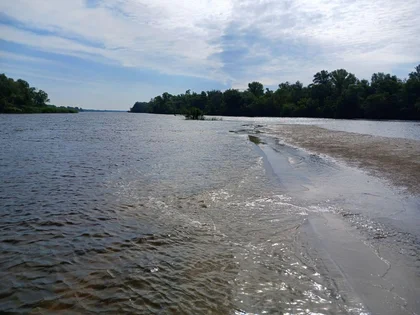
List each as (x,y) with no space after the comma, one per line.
(387,128)
(128,213)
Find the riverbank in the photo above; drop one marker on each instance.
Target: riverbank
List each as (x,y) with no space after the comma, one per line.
(392,158)
(47,109)
(360,232)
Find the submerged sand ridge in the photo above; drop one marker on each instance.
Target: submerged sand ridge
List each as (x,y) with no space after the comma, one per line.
(396,159)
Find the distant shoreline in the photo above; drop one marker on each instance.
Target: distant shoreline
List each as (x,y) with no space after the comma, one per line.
(294,117)
(43,110)
(336,94)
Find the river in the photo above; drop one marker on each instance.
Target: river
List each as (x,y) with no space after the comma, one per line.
(152,214)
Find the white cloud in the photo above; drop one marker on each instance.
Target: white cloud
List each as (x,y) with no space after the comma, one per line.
(159,35)
(184,37)
(364,36)
(4,55)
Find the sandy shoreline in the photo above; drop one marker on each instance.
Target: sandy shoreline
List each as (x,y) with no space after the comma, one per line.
(397,160)
(370,246)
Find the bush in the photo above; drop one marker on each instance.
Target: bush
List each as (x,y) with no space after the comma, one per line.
(194,113)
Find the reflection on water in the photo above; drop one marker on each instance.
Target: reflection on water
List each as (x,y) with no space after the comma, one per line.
(150,214)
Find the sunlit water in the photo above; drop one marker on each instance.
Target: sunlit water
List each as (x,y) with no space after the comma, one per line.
(387,128)
(127,213)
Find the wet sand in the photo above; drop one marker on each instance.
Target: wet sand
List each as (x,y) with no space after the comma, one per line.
(363,233)
(397,160)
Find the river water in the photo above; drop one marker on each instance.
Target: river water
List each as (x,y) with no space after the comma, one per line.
(385,128)
(152,214)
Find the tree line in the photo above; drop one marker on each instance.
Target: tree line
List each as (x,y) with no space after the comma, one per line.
(19,97)
(336,94)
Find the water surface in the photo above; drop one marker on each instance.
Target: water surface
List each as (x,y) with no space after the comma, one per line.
(384,128)
(142,213)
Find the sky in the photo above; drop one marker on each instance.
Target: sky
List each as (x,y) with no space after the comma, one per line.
(107,54)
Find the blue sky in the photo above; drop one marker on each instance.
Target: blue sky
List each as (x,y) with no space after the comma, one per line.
(110,53)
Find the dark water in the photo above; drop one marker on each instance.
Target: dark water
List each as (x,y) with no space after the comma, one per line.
(123,213)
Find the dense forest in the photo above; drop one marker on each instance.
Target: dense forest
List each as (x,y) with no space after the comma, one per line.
(336,94)
(19,97)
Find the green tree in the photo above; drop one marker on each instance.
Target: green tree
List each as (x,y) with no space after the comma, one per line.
(411,99)
(233,102)
(214,103)
(194,113)
(338,94)
(341,79)
(19,97)
(41,98)
(256,88)
(322,78)
(140,107)
(322,89)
